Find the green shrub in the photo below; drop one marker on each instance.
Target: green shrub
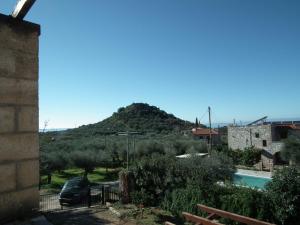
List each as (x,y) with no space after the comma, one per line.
(150,176)
(148,148)
(246,157)
(141,197)
(247,202)
(186,199)
(284,193)
(158,174)
(291,150)
(243,201)
(250,156)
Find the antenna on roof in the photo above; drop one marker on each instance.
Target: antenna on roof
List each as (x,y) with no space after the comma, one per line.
(22,8)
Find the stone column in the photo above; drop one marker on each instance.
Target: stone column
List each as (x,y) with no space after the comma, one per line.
(19,147)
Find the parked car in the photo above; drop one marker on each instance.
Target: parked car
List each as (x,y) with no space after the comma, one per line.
(75,191)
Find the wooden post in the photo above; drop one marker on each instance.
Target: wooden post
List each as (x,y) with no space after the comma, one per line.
(127,151)
(198,220)
(232,216)
(22,8)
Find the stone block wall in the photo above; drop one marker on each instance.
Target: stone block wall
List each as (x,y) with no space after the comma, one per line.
(243,137)
(19,147)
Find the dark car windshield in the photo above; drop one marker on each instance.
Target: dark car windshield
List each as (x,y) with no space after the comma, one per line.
(73,184)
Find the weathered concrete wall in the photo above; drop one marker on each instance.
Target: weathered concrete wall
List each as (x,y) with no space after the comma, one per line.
(19,149)
(243,137)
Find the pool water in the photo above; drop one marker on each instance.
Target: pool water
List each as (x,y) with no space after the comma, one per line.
(250,181)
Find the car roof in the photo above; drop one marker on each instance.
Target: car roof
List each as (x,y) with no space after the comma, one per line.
(74,180)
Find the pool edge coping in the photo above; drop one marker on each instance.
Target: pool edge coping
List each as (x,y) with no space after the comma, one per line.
(254,173)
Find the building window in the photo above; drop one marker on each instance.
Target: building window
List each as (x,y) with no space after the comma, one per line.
(265,143)
(257,135)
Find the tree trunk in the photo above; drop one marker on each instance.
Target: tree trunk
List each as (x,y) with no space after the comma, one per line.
(85,174)
(49,178)
(126,186)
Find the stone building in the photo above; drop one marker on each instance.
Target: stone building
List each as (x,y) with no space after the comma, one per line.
(267,136)
(19,148)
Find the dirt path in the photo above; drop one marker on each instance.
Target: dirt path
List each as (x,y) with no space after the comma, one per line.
(86,216)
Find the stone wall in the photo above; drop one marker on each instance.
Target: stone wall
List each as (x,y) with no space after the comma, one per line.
(247,136)
(19,148)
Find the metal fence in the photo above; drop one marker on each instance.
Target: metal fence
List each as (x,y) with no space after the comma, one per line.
(99,196)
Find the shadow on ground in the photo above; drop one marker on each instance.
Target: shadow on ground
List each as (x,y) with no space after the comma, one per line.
(85,216)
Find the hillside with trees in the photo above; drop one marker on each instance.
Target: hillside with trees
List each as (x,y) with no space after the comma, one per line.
(139,117)
(99,144)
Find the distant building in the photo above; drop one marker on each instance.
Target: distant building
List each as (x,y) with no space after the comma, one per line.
(204,134)
(267,136)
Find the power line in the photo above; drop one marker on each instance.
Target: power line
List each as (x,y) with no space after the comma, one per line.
(206,111)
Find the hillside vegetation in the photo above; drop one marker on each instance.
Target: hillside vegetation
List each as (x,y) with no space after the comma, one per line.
(152,124)
(136,117)
(99,144)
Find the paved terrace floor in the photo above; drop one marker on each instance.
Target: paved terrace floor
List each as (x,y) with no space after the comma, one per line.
(99,215)
(86,216)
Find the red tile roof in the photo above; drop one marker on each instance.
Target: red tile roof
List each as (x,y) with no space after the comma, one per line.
(291,126)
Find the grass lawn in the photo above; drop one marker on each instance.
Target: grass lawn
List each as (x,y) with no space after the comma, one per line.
(58,179)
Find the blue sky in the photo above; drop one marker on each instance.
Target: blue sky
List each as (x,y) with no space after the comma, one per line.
(240,57)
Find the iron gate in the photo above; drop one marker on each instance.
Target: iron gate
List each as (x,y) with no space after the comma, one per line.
(99,195)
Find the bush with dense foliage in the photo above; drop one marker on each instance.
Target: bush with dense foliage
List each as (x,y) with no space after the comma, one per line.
(147,148)
(279,203)
(284,193)
(243,201)
(250,156)
(291,150)
(247,157)
(157,175)
(247,202)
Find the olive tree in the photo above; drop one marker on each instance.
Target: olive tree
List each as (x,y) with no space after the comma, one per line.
(86,160)
(53,161)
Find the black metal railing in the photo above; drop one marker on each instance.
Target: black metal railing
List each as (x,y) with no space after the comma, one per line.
(99,195)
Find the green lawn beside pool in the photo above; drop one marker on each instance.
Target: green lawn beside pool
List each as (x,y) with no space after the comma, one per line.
(58,179)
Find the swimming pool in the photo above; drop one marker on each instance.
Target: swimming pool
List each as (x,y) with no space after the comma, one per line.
(250,181)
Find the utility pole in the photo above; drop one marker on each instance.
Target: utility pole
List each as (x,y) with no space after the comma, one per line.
(133,148)
(129,133)
(210,135)
(251,137)
(127,151)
